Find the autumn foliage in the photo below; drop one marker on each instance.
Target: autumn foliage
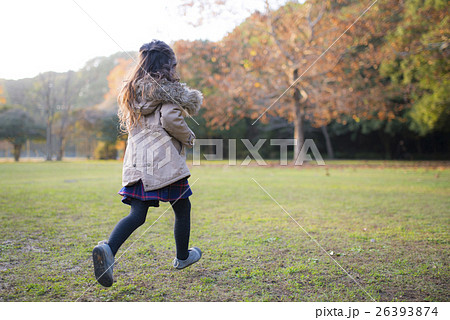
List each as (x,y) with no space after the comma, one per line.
(335,67)
(320,62)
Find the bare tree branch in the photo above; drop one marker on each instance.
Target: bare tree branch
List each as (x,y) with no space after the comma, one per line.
(274,36)
(311,23)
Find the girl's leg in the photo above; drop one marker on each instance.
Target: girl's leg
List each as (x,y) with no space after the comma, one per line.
(127,225)
(182,227)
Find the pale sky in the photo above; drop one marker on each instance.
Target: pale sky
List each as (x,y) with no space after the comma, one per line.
(56,35)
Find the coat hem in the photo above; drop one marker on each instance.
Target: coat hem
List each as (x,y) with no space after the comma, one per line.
(165,184)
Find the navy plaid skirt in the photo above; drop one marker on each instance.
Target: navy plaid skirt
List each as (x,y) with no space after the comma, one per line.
(177,190)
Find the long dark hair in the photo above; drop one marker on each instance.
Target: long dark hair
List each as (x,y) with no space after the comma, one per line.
(156,61)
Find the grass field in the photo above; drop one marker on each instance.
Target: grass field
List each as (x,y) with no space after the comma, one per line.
(386,224)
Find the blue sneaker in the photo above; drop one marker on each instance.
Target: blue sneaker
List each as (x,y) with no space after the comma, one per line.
(194,255)
(103,263)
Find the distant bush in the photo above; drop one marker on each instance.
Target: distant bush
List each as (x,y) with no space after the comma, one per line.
(105,151)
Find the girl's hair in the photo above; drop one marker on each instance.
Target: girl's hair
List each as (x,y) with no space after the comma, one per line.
(157,61)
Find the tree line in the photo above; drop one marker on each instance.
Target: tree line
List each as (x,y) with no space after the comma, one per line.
(376,88)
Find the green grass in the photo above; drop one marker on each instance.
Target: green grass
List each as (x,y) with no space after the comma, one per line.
(386,224)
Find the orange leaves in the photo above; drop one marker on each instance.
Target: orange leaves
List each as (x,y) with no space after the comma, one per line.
(116,76)
(242,74)
(2,97)
(254,115)
(390,116)
(386,115)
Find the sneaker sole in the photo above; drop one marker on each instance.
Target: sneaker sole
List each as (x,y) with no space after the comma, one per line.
(103,277)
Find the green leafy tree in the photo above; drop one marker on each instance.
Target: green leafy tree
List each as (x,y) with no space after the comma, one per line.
(107,134)
(418,63)
(16,126)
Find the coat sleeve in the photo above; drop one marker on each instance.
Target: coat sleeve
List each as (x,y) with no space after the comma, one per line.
(172,121)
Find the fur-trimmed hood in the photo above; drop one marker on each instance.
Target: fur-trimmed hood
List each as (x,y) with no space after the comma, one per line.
(150,94)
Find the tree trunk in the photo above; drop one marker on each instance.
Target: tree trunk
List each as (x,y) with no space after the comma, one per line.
(49,140)
(60,154)
(299,130)
(386,144)
(49,103)
(418,145)
(17,149)
(330,152)
(299,134)
(68,97)
(28,149)
(61,146)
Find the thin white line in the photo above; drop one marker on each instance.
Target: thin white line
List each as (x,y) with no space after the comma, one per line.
(132,59)
(313,239)
(267,109)
(134,242)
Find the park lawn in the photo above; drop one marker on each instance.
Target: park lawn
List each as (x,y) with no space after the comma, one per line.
(387,226)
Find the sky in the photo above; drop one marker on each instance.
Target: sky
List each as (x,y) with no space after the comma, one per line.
(58,35)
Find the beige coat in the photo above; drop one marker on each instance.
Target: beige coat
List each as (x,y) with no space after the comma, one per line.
(156,147)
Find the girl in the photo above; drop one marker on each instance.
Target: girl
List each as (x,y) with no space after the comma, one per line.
(152,104)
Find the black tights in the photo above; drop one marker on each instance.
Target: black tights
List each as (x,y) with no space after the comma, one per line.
(136,218)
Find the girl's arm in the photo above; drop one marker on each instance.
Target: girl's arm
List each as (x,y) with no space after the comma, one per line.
(173,122)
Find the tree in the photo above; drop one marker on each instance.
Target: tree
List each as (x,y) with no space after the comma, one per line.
(263,64)
(56,94)
(107,122)
(16,126)
(93,79)
(356,94)
(47,98)
(417,63)
(63,119)
(336,73)
(84,132)
(2,95)
(107,133)
(100,122)
(69,93)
